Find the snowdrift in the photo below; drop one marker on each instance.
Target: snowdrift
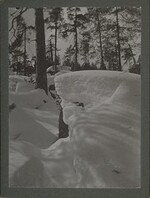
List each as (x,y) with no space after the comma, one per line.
(33,115)
(103,148)
(33,99)
(105,134)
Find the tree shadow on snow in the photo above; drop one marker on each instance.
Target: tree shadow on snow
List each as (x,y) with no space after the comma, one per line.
(31,174)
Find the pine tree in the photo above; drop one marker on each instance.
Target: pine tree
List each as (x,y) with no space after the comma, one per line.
(85,47)
(41,77)
(19,37)
(54,23)
(121,37)
(68,57)
(76,22)
(16,46)
(49,52)
(98,22)
(118,39)
(131,33)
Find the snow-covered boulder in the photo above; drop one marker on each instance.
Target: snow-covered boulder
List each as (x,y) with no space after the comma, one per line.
(105,133)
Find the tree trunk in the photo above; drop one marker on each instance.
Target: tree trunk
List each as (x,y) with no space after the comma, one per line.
(41,77)
(132,54)
(118,40)
(25,50)
(51,52)
(76,67)
(55,44)
(102,66)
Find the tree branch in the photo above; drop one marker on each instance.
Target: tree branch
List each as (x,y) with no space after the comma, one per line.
(13,20)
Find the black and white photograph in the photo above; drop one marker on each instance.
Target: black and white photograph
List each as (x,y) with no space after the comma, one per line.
(74,97)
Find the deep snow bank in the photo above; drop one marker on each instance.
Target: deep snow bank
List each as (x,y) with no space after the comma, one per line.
(32,167)
(33,115)
(105,133)
(103,149)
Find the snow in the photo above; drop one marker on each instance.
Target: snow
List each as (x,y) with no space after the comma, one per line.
(105,134)
(94,88)
(106,140)
(59,67)
(45,168)
(50,79)
(34,98)
(103,147)
(62,72)
(31,119)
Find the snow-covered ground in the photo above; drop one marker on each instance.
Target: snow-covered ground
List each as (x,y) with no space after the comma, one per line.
(103,147)
(35,118)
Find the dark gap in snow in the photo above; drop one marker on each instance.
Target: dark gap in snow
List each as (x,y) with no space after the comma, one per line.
(116,171)
(62,126)
(12,106)
(44,101)
(80,104)
(36,107)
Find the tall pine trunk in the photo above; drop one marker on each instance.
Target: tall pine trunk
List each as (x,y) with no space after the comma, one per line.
(76,67)
(51,52)
(25,50)
(41,77)
(102,66)
(55,45)
(118,41)
(132,54)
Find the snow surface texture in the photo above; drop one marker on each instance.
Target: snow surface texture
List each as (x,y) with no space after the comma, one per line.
(103,148)
(30,120)
(105,134)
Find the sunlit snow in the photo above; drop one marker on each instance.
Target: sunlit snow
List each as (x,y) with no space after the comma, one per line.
(103,147)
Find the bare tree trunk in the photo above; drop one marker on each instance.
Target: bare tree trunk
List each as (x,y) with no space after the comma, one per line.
(51,52)
(118,40)
(41,77)
(25,50)
(55,44)
(76,42)
(132,54)
(102,66)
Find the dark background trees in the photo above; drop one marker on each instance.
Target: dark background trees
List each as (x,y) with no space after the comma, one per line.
(54,23)
(99,38)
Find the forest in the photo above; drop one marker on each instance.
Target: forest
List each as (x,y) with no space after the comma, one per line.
(74,97)
(94,38)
